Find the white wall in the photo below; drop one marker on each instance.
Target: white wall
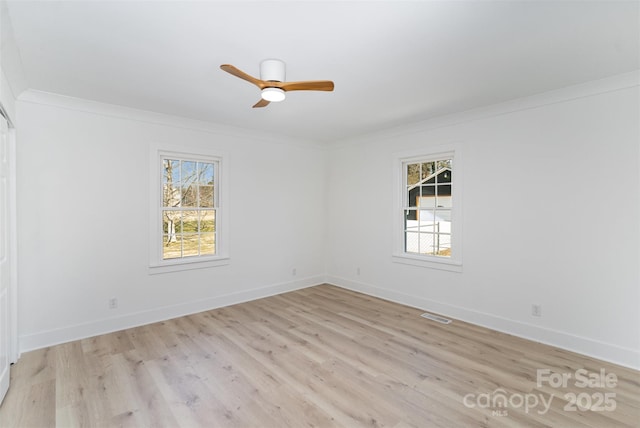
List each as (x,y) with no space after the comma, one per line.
(83,216)
(83,227)
(566,236)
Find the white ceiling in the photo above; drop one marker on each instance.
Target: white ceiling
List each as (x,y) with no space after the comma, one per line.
(392,62)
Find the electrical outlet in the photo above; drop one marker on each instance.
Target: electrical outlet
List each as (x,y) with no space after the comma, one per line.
(358,270)
(113,303)
(536,310)
(294,271)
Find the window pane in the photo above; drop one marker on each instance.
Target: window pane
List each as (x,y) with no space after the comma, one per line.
(443,216)
(426,243)
(411,242)
(413,173)
(171,222)
(190,221)
(444,201)
(170,195)
(442,247)
(445,163)
(190,244)
(170,171)
(413,197)
(207,244)
(189,196)
(428,199)
(444,190)
(426,220)
(444,177)
(427,190)
(207,221)
(172,247)
(189,173)
(411,217)
(206,196)
(205,173)
(428,168)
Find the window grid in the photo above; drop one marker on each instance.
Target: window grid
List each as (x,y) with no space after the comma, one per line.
(427,201)
(188,208)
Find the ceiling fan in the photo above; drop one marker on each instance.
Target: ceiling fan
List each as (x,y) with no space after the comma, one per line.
(272,84)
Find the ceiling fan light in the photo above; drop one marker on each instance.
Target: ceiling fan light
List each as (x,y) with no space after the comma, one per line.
(273,95)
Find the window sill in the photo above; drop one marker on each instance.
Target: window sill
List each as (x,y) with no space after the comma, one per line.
(177,266)
(428,262)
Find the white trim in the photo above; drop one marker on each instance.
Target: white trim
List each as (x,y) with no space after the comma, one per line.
(432,152)
(428,262)
(70,333)
(156,264)
(177,265)
(583,345)
(14,351)
(7,98)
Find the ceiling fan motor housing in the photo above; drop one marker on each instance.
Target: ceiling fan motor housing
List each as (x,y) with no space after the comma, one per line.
(272,70)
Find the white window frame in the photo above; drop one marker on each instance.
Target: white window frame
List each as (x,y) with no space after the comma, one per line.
(399,255)
(156,262)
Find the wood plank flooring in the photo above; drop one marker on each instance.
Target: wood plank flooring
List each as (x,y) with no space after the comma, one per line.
(317,357)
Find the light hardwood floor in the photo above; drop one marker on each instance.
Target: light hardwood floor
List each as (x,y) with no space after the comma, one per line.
(317,357)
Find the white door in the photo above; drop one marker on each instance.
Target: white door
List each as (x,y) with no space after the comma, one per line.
(5,262)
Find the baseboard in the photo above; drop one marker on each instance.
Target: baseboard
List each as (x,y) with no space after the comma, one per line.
(109,325)
(604,351)
(593,348)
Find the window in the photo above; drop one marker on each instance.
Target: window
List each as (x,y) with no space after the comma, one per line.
(188,208)
(186,211)
(428,207)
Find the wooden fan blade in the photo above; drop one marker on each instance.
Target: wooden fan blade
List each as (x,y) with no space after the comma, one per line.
(241,74)
(310,85)
(261,103)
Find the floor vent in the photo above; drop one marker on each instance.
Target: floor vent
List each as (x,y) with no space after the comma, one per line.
(436,318)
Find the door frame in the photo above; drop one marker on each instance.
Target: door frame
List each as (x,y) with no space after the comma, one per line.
(12,249)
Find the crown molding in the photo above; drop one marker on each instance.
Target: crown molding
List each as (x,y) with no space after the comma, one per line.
(127,113)
(569,93)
